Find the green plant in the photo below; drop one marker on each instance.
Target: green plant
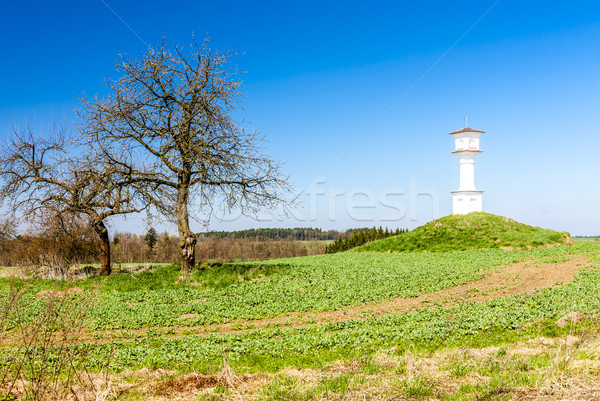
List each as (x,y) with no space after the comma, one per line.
(337,385)
(460,370)
(418,388)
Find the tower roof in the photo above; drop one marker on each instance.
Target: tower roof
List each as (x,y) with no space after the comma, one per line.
(466,129)
(467,151)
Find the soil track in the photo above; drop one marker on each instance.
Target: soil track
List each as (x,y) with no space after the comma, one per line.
(521,278)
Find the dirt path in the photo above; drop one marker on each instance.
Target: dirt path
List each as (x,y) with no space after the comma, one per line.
(515,279)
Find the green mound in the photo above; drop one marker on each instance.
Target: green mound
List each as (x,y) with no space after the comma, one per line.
(475,230)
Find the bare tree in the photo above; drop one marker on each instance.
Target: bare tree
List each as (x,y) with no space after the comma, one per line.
(176,110)
(8,228)
(52,174)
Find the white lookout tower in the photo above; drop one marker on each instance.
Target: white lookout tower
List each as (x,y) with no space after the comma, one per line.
(467,199)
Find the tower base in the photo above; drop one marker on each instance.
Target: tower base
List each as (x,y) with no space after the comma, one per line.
(464,202)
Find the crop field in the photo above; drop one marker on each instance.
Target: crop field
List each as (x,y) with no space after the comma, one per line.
(594,239)
(479,324)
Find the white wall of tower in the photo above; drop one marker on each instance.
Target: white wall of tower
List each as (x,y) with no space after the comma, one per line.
(467,199)
(467,172)
(464,203)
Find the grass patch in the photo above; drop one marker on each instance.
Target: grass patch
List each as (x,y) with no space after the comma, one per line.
(417,388)
(221,275)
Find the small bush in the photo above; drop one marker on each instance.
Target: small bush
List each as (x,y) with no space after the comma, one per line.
(41,358)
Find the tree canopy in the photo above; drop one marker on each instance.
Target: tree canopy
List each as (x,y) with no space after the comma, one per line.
(52,174)
(176,111)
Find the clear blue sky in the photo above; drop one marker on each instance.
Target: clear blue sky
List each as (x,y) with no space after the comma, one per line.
(320,74)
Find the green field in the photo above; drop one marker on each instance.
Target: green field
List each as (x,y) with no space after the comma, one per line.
(264,319)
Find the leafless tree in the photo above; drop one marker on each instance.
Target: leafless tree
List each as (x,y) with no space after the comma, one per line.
(42,174)
(176,109)
(8,228)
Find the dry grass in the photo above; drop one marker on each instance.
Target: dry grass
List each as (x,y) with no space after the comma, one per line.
(44,362)
(563,368)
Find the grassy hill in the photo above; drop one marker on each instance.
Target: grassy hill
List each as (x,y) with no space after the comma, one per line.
(477,230)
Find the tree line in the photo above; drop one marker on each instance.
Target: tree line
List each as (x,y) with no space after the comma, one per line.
(49,252)
(298,234)
(163,141)
(360,237)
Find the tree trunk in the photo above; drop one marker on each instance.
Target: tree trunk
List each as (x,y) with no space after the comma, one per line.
(102,232)
(188,252)
(187,239)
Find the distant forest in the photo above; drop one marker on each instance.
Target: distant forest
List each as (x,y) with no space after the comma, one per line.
(276,234)
(76,243)
(298,234)
(360,237)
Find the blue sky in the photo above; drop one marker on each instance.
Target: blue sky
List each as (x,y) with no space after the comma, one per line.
(320,74)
